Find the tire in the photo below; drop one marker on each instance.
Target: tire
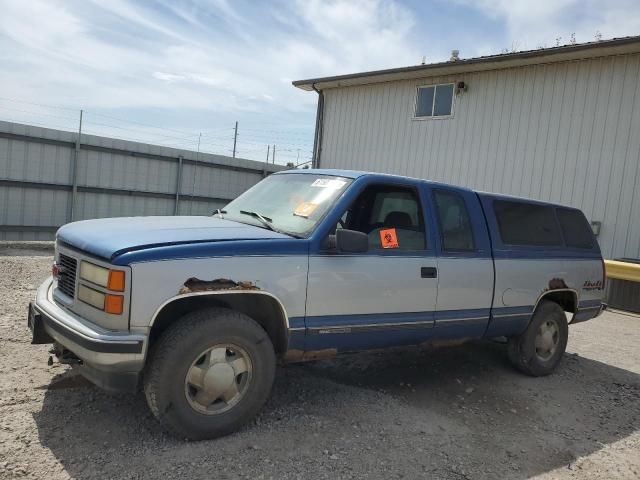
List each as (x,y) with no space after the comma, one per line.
(539,349)
(184,406)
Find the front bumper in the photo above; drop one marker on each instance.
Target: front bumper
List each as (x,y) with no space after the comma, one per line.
(112,360)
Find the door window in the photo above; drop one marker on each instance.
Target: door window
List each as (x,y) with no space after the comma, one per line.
(391,216)
(455,225)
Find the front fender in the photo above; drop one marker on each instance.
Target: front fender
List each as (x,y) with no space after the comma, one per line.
(264,308)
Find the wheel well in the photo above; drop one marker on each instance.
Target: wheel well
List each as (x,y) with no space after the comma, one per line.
(565,298)
(263,309)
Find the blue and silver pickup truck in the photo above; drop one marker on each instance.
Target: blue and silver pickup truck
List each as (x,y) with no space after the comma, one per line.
(306,265)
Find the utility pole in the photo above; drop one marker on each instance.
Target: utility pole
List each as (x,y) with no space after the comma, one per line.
(176,205)
(264,170)
(235,139)
(74,172)
(273,157)
(195,169)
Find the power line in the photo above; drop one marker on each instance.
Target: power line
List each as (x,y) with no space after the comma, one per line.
(39,104)
(263,130)
(181,132)
(94,113)
(283,141)
(43,125)
(138,130)
(250,142)
(130,139)
(39,113)
(294,145)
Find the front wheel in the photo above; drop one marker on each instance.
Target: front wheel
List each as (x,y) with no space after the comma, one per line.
(539,349)
(211,371)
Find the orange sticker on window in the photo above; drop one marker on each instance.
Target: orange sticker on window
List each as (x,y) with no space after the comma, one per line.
(388,238)
(305,209)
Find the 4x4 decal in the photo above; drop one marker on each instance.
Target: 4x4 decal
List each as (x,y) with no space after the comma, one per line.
(589,285)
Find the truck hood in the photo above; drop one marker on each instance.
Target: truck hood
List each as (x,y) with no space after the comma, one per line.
(109,237)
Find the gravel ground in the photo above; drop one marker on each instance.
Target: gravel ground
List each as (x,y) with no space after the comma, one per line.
(449,413)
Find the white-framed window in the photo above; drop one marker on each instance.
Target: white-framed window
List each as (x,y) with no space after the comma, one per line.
(434,101)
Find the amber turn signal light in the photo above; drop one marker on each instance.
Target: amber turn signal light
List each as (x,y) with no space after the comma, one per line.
(114,304)
(116,281)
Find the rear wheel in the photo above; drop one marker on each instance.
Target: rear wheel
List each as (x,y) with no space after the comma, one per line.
(210,372)
(539,349)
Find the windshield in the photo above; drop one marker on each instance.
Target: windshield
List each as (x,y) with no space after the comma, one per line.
(288,203)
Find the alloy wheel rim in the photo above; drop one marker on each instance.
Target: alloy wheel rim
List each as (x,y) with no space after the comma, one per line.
(218,379)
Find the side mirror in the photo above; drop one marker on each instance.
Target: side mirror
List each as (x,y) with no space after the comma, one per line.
(351,241)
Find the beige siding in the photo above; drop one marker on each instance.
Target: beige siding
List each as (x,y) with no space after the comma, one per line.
(567,132)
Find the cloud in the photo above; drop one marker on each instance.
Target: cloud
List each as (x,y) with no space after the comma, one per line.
(532,24)
(168,77)
(130,13)
(360,34)
(185,63)
(111,51)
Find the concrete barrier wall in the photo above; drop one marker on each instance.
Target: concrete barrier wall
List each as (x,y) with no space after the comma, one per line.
(39,190)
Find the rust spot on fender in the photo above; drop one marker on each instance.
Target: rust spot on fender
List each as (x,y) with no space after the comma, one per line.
(557,283)
(196,285)
(293,356)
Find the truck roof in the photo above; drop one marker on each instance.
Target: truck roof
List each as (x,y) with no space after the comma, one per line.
(354,174)
(501,196)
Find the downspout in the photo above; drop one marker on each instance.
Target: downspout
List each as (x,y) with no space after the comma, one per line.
(317,138)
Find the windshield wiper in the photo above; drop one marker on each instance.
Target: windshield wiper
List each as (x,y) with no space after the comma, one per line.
(266,221)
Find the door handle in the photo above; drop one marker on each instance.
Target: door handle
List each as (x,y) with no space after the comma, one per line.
(428,272)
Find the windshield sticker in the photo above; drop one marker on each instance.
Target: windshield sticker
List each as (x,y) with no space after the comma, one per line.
(331,183)
(388,238)
(305,209)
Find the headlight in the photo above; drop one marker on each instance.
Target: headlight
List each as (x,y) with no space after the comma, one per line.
(113,304)
(104,277)
(94,273)
(111,279)
(91,296)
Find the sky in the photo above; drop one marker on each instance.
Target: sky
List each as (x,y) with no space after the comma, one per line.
(182,72)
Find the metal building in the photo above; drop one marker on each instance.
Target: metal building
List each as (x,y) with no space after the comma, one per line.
(558,124)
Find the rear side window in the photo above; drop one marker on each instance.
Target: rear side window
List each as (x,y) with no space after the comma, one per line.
(527,224)
(575,228)
(455,225)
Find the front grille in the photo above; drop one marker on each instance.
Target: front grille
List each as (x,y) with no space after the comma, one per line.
(67,276)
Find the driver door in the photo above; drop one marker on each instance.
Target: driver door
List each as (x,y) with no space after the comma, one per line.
(385,296)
